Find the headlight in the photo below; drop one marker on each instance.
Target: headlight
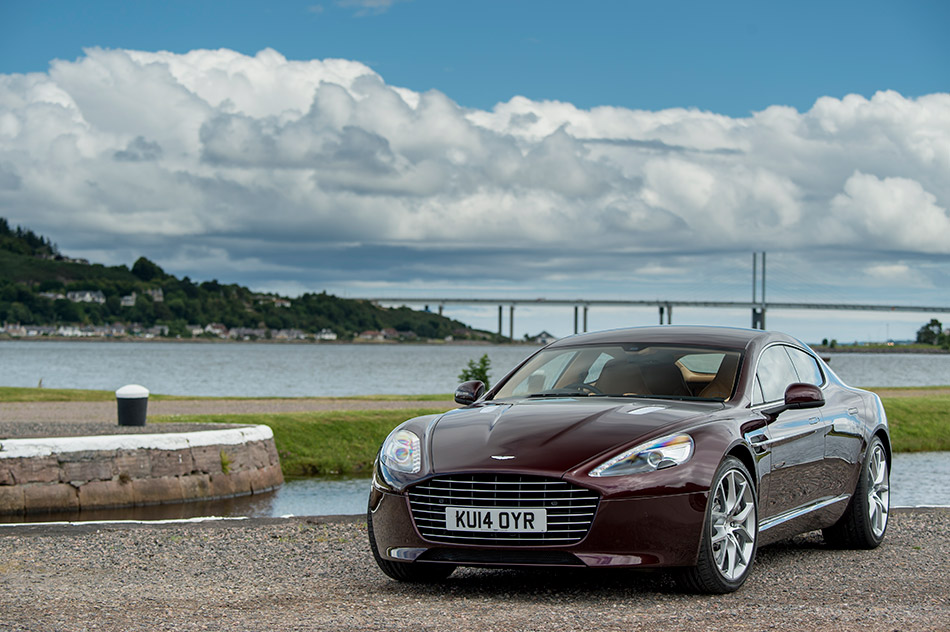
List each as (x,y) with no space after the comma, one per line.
(402,451)
(648,457)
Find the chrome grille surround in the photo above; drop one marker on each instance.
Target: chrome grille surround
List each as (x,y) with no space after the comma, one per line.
(570,509)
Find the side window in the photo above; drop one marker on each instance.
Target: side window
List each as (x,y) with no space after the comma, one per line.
(544,377)
(757,396)
(775,373)
(806,366)
(594,372)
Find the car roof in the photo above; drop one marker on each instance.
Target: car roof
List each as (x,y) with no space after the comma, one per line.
(727,337)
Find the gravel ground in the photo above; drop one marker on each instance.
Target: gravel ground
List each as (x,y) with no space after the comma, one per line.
(65,419)
(317,574)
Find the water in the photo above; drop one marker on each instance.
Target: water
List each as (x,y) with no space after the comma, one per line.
(301,370)
(920,479)
(891,369)
(250,370)
(330,496)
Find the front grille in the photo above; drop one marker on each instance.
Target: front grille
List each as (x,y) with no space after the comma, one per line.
(569,508)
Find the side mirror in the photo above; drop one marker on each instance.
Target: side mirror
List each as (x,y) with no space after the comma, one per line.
(799,396)
(468,392)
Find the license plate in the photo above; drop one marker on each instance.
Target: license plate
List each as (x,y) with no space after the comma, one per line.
(496,519)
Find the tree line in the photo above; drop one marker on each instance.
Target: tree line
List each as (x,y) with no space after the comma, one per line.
(34,285)
(933,334)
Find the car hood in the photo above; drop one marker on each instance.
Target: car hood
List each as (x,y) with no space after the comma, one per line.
(552,436)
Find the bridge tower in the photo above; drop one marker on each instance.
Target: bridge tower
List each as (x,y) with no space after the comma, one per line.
(758,313)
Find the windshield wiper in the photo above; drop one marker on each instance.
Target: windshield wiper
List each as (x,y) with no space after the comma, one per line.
(627,395)
(565,394)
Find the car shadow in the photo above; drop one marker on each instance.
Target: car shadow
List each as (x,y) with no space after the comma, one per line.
(531,584)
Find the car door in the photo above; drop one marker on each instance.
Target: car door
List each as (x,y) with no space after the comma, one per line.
(844,440)
(796,438)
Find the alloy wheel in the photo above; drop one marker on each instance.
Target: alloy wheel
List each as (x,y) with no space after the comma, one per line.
(733,522)
(879,494)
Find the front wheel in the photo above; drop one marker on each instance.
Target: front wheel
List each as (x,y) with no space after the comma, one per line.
(418,572)
(865,520)
(729,535)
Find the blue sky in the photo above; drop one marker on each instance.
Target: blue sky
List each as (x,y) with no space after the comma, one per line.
(544,149)
(732,58)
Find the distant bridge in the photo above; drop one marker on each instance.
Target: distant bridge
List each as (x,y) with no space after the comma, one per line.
(665,307)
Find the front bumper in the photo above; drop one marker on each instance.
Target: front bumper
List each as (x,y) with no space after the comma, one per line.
(647,532)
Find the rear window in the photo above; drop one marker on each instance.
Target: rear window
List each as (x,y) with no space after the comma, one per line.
(703,362)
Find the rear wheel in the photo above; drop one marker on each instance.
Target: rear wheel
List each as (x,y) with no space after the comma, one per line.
(865,520)
(418,572)
(728,544)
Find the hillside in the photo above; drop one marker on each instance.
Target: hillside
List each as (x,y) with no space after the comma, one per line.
(41,287)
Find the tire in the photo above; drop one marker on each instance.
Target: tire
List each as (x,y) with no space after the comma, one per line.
(864,522)
(730,533)
(416,572)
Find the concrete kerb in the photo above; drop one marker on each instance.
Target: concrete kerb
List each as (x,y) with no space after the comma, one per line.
(105,471)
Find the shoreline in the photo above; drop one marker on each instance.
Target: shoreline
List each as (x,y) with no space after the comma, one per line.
(844,349)
(127,339)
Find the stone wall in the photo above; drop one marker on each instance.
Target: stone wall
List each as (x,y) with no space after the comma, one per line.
(72,473)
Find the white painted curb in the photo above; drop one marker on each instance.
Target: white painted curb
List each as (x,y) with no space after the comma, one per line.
(26,448)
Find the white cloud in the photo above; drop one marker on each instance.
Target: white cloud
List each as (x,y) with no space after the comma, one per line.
(254,157)
(898,273)
(892,213)
(366,7)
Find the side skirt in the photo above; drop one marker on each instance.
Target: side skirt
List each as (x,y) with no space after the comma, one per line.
(811,515)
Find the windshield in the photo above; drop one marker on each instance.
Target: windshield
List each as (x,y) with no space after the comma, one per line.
(627,370)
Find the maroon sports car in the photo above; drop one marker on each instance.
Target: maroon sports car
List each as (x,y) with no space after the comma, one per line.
(653,447)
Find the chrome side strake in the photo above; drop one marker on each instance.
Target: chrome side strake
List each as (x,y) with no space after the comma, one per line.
(406,553)
(774,521)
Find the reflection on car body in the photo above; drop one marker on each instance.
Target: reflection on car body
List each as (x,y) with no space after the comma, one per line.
(653,447)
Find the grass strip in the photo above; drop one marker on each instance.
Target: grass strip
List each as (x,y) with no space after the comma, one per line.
(10,394)
(919,424)
(321,442)
(904,389)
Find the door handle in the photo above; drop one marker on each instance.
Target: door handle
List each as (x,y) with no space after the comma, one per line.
(852,411)
(759,443)
(814,420)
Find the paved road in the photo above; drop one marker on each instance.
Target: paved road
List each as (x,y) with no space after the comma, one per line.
(106,411)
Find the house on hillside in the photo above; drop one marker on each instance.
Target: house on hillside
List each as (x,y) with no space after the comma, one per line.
(276,301)
(289,334)
(157,295)
(246,333)
(216,329)
(87,296)
(543,338)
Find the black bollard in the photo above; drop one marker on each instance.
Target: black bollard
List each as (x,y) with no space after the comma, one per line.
(132,401)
